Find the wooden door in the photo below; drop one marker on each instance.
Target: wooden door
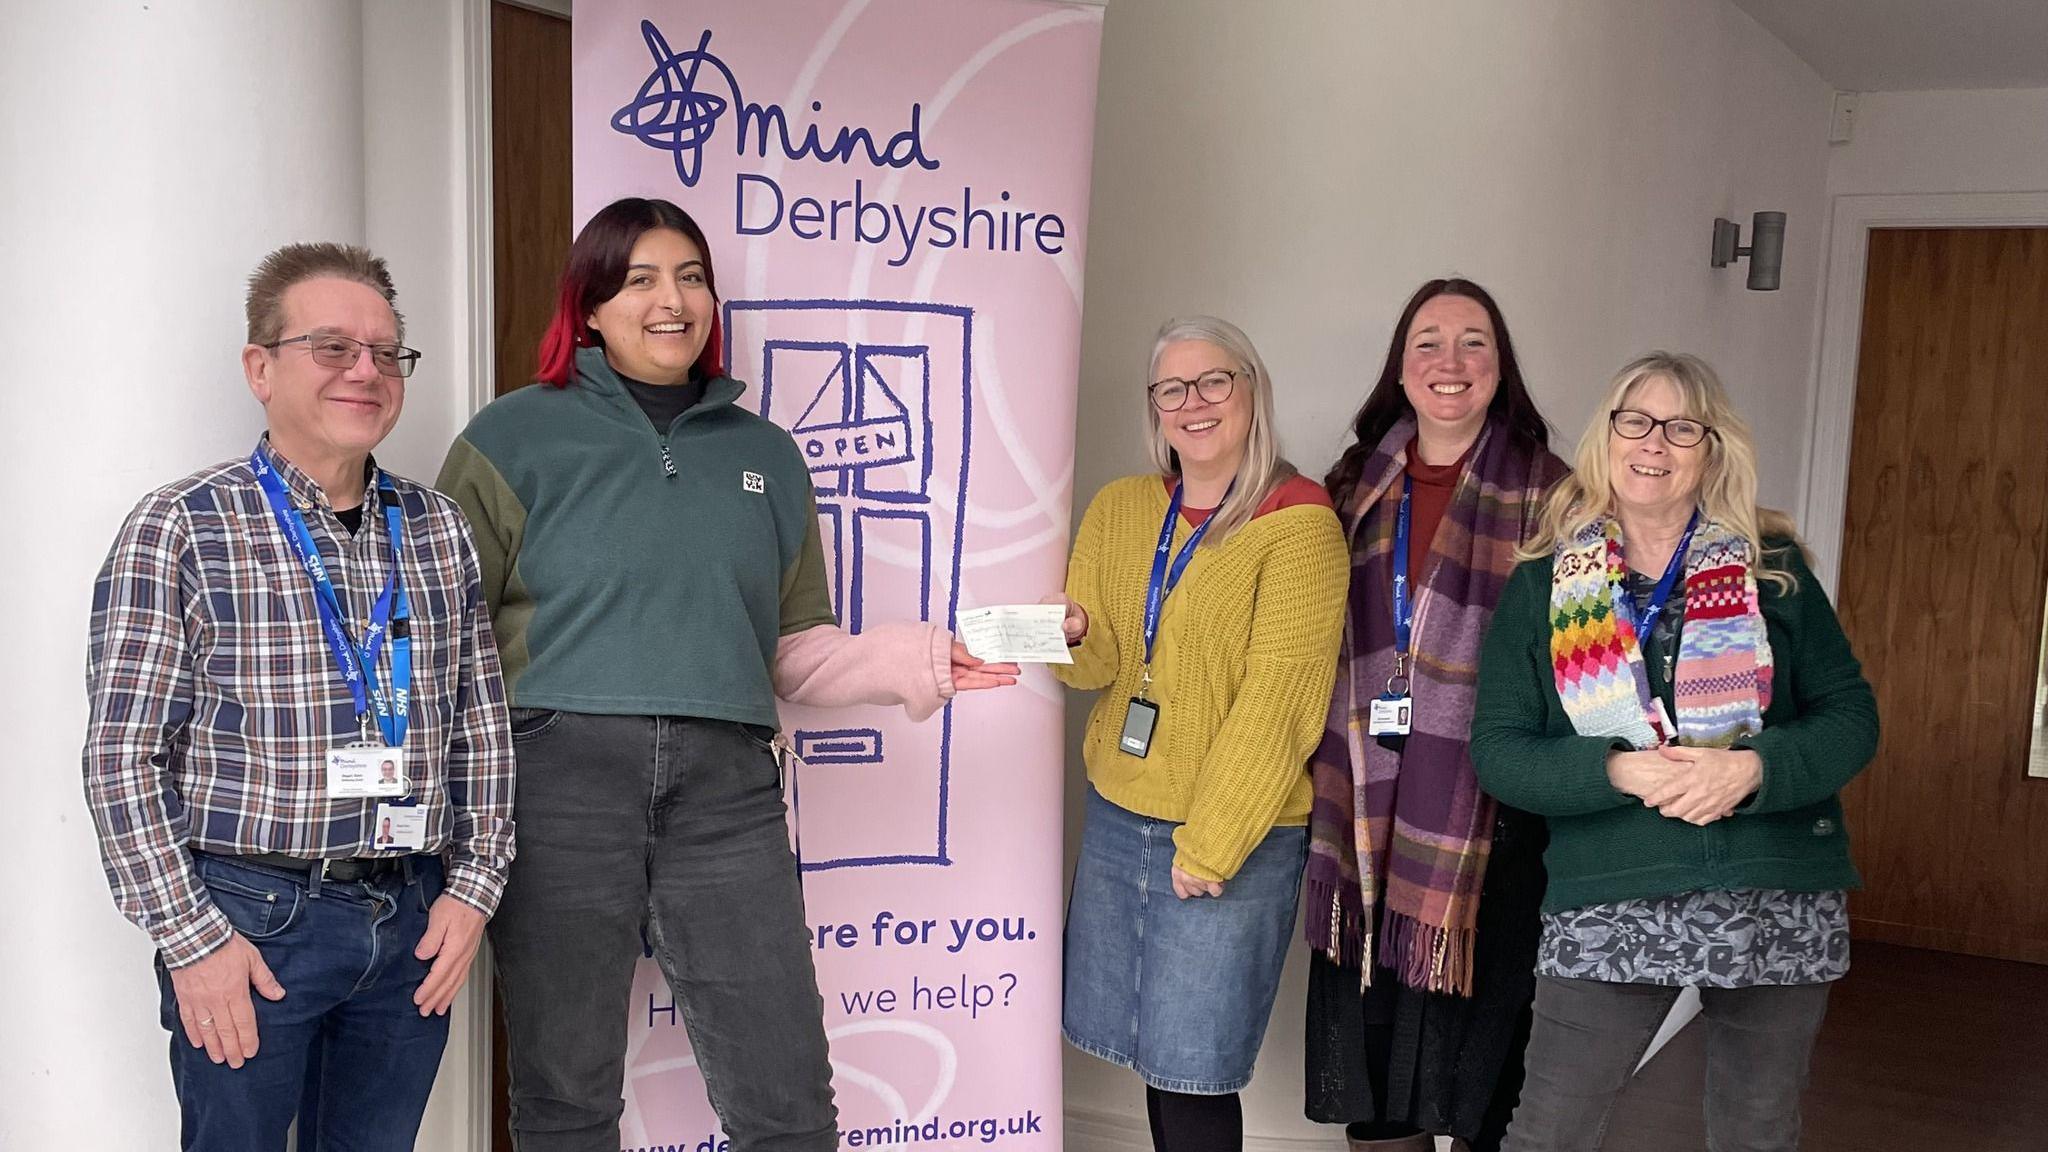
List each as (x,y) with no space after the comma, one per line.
(531,218)
(530,180)
(1944,572)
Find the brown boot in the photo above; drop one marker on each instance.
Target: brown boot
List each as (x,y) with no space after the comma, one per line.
(1420,1142)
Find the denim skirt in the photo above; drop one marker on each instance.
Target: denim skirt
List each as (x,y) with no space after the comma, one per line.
(1177,990)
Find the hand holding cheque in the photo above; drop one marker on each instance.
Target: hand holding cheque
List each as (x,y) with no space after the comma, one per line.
(1017,633)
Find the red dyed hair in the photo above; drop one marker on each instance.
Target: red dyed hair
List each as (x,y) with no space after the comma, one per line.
(596,270)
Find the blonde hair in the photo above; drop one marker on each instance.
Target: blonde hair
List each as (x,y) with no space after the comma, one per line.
(1727,480)
(1263,469)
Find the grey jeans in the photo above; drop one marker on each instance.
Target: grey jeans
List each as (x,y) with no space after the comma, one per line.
(1590,1035)
(677,826)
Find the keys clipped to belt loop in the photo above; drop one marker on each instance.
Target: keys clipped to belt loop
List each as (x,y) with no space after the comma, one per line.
(785,752)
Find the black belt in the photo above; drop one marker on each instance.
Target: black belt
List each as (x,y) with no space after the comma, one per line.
(343,871)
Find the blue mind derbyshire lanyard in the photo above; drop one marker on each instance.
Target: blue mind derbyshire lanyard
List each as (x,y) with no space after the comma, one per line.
(1165,578)
(1645,618)
(391,615)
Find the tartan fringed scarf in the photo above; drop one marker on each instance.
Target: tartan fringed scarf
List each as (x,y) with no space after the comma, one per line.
(1399,841)
(1722,684)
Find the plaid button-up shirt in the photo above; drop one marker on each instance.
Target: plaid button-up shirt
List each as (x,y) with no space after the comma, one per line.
(214,697)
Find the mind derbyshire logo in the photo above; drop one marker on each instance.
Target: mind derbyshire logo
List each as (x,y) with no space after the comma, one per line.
(693,100)
(671,112)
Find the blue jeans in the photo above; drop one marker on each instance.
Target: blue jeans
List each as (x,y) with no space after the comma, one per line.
(343,953)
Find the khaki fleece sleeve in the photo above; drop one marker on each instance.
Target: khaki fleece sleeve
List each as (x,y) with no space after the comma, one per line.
(806,594)
(496,518)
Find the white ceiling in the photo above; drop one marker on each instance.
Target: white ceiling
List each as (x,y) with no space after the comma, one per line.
(1913,45)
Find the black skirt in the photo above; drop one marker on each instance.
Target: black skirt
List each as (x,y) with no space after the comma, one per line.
(1450,1065)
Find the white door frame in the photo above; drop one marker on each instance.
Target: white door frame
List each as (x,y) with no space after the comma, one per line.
(481,337)
(1850,220)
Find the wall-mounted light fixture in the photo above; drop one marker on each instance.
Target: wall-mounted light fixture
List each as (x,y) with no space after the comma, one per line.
(1766,249)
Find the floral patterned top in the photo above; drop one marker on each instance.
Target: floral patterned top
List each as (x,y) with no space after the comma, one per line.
(1737,938)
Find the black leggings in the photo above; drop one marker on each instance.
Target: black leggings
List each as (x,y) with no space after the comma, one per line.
(1182,1122)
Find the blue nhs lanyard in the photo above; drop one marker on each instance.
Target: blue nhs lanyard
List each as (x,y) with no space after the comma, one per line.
(358,666)
(1645,618)
(1164,578)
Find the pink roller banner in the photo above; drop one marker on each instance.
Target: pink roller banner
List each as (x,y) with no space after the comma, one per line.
(896,197)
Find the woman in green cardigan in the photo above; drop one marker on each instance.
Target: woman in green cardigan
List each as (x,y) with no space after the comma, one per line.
(1667,684)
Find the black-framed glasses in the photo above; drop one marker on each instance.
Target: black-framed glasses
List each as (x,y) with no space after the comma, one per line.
(1679,432)
(1171,394)
(332,350)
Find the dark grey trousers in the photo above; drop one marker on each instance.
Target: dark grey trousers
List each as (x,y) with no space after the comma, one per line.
(676,825)
(1590,1035)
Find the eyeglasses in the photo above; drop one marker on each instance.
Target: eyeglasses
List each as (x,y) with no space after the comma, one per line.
(1171,394)
(1679,432)
(334,351)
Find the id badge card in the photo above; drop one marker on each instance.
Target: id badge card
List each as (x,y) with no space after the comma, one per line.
(1390,716)
(358,771)
(1139,720)
(399,828)
(1666,730)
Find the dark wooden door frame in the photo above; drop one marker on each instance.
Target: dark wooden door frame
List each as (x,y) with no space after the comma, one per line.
(491,332)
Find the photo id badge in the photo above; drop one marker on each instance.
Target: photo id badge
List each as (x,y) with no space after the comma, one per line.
(1139,720)
(359,770)
(1390,716)
(400,828)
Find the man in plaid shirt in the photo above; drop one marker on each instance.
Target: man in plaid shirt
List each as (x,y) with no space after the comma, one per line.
(267,634)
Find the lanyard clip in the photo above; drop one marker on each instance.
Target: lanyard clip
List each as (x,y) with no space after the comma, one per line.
(1144,681)
(1397,684)
(363,727)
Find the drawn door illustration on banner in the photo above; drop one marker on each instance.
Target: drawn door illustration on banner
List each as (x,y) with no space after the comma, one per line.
(877,396)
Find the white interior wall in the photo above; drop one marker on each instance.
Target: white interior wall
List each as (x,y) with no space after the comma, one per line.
(131,236)
(153,154)
(417,200)
(1300,168)
(1994,140)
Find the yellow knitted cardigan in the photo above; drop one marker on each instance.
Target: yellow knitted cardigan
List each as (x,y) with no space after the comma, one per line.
(1242,669)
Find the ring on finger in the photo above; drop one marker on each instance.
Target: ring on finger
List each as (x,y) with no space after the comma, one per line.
(206,1022)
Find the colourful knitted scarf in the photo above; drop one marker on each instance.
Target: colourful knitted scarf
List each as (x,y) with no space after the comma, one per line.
(1398,841)
(1723,680)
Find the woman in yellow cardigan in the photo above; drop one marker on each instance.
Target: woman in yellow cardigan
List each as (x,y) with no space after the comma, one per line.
(1206,600)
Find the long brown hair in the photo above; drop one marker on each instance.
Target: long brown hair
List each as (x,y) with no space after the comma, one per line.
(1388,402)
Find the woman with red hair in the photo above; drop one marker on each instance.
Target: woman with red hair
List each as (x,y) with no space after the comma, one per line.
(652,564)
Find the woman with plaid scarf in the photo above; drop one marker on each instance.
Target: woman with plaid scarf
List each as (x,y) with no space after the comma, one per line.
(1422,890)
